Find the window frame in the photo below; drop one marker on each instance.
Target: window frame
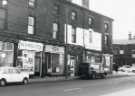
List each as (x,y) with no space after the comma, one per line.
(106,26)
(32,3)
(55,30)
(74,34)
(31,26)
(56,9)
(106,40)
(73,15)
(90,36)
(3,18)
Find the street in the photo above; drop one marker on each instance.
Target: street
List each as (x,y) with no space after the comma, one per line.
(100,87)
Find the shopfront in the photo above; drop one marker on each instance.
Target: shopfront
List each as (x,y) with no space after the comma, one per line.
(6,53)
(74,58)
(107,61)
(54,60)
(72,62)
(95,59)
(30,57)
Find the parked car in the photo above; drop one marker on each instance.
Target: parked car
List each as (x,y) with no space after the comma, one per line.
(125,68)
(132,69)
(12,75)
(87,70)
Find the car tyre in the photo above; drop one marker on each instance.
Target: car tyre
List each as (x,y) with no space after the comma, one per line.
(93,76)
(25,81)
(2,82)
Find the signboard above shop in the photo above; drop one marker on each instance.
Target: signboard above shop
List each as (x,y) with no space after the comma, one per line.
(54,49)
(27,45)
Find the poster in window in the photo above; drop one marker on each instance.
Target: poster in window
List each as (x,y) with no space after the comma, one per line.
(29,61)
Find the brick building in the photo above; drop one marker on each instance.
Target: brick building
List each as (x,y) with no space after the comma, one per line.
(46,36)
(124,52)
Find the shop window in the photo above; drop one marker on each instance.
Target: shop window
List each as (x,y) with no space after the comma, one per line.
(73,34)
(26,60)
(55,63)
(98,59)
(6,53)
(31,23)
(73,15)
(55,30)
(2,18)
(32,3)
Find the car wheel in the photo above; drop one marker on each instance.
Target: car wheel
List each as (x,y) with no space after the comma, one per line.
(2,82)
(93,76)
(25,81)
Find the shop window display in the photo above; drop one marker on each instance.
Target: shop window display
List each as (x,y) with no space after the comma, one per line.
(55,63)
(6,53)
(26,60)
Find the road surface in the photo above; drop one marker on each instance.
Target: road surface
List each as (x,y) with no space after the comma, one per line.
(124,86)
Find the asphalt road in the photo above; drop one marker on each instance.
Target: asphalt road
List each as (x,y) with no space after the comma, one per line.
(124,86)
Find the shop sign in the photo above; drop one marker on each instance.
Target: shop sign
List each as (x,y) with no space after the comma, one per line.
(30,45)
(54,49)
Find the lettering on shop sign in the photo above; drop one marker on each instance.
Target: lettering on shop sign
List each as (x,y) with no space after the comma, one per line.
(54,49)
(30,45)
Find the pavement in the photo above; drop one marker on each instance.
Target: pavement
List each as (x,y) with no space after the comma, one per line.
(63,78)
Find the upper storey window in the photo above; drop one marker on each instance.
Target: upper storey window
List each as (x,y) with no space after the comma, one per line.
(31,23)
(73,15)
(2,18)
(106,27)
(32,3)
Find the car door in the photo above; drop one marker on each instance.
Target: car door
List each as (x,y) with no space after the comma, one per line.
(6,75)
(9,75)
(16,76)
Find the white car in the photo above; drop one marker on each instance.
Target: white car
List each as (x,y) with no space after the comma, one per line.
(125,68)
(12,75)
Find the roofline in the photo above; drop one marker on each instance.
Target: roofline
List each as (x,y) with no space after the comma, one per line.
(67,2)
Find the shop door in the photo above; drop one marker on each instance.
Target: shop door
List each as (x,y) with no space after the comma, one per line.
(72,65)
(48,62)
(55,63)
(38,62)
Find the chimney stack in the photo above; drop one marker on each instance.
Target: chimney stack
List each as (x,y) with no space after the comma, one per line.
(85,3)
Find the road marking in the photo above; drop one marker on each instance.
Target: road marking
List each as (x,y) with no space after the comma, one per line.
(73,89)
(128,92)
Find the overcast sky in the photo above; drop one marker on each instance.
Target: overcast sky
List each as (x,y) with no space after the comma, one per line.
(123,13)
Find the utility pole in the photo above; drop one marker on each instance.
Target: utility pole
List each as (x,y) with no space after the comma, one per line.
(66,38)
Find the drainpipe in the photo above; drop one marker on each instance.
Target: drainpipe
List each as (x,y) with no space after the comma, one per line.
(42,61)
